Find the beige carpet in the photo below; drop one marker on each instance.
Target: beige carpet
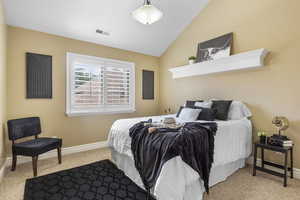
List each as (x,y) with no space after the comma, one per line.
(240,186)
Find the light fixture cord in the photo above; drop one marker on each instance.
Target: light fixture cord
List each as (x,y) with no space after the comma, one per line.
(147,2)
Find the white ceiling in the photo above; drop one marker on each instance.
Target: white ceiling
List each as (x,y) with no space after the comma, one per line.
(79,19)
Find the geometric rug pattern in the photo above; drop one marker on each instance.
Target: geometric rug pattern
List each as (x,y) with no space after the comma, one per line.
(96,181)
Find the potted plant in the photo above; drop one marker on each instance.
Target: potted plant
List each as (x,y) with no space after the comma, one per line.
(262,137)
(192,59)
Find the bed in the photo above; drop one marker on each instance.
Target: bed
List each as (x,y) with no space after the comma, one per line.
(177,180)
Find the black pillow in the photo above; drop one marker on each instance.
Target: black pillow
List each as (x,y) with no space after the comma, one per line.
(207,114)
(222,109)
(189,103)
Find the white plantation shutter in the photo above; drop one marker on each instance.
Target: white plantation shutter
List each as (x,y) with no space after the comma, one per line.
(99,85)
(117,86)
(87,86)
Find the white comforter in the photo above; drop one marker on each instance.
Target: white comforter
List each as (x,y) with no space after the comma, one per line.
(232,142)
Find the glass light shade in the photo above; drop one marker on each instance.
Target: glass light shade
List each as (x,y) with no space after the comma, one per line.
(147,14)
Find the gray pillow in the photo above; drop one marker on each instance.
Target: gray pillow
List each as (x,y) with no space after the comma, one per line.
(189,114)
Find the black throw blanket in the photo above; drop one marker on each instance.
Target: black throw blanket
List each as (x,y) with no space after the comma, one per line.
(194,143)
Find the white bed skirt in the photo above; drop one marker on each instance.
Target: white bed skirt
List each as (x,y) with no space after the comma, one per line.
(194,191)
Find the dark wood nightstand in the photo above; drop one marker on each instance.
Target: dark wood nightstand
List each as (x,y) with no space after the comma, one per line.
(284,150)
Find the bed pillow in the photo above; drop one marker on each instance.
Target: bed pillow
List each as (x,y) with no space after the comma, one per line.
(189,114)
(222,109)
(238,110)
(190,103)
(179,111)
(204,104)
(207,114)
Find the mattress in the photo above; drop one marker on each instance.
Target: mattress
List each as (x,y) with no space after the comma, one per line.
(233,142)
(167,188)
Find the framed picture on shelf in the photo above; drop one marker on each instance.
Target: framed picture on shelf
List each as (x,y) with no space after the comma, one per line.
(216,48)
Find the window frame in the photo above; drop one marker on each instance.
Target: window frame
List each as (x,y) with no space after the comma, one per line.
(97,110)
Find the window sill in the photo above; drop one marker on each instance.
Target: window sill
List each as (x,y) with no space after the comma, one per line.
(78,114)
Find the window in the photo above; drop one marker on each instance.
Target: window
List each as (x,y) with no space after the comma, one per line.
(99,86)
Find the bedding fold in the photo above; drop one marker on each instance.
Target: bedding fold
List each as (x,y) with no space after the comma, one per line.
(194,143)
(233,142)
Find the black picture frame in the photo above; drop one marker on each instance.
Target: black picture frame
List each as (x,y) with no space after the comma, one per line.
(38,76)
(148,84)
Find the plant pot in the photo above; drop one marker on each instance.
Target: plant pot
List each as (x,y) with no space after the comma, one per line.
(192,62)
(262,139)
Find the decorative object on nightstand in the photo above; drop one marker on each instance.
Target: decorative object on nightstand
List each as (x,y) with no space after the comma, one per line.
(282,124)
(280,140)
(192,60)
(283,150)
(262,137)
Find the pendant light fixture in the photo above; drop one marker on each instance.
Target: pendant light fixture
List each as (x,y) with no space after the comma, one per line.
(147,14)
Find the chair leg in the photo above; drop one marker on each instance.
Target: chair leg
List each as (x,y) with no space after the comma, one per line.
(34,165)
(59,155)
(14,163)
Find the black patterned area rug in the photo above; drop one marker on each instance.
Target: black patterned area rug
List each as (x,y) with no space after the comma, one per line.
(96,181)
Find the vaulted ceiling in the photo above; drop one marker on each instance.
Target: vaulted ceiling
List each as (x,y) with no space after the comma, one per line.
(79,19)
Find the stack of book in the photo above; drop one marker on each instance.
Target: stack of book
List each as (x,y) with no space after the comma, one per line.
(279,140)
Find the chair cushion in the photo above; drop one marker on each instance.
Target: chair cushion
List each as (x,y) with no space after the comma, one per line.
(25,127)
(36,146)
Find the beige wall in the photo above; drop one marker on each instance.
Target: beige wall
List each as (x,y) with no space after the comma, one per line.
(273,90)
(73,130)
(2,83)
(270,91)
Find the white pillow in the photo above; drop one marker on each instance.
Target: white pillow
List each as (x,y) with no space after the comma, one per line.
(204,104)
(189,114)
(238,110)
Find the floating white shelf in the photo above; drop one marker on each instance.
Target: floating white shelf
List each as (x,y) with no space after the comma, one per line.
(246,60)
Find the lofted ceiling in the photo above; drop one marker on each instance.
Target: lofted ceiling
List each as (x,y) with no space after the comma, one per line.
(79,19)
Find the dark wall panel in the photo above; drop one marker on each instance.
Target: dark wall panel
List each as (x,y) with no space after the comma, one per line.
(148,84)
(39,75)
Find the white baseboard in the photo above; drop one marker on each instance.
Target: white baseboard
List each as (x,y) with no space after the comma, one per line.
(64,151)
(2,170)
(296,170)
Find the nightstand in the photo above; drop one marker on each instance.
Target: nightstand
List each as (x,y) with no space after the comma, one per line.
(283,150)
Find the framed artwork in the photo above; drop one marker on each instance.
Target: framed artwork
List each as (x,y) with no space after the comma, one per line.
(216,48)
(148,84)
(38,76)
